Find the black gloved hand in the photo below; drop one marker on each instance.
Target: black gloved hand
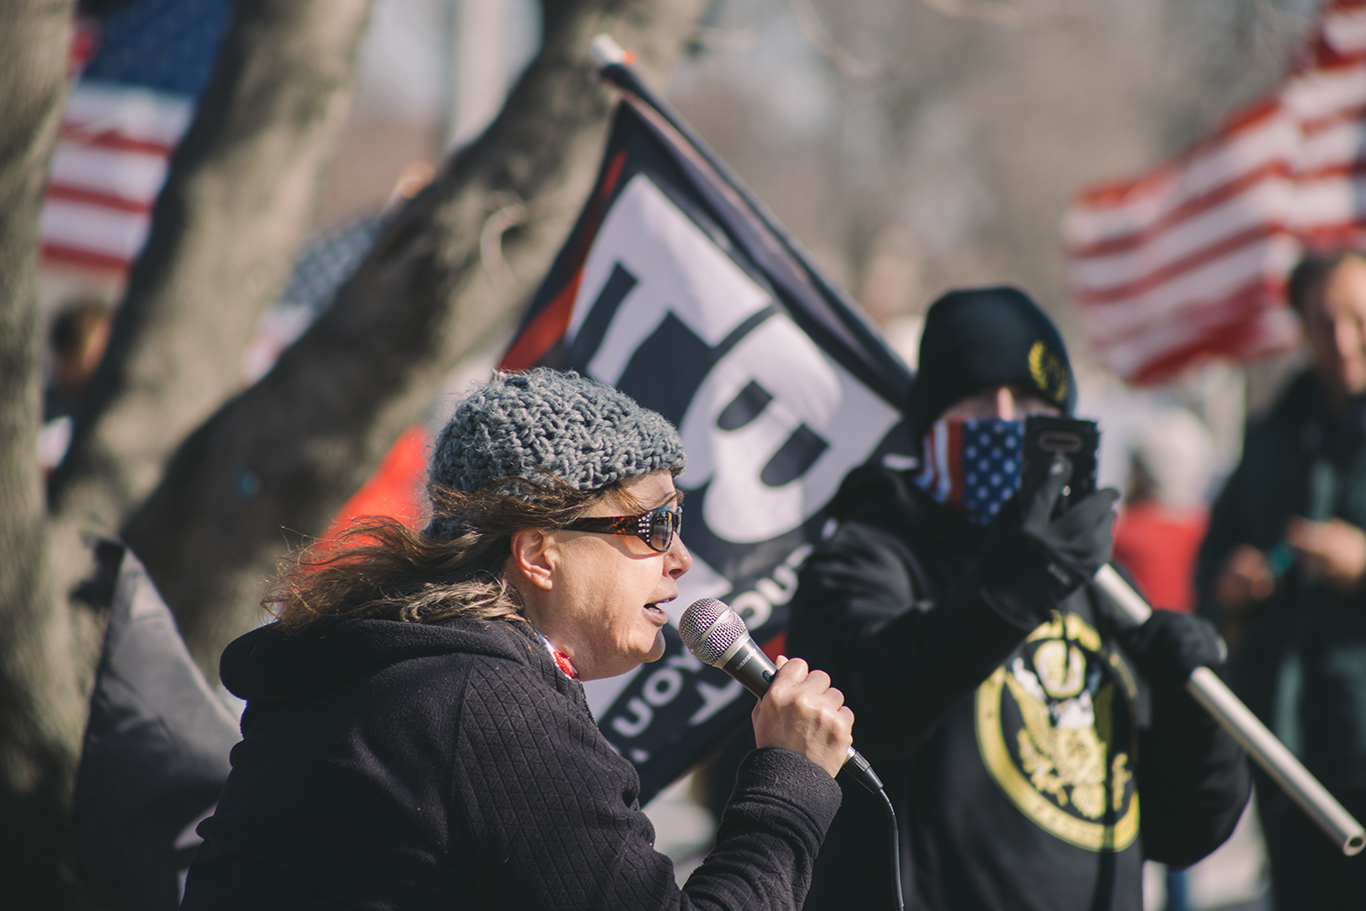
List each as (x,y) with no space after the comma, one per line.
(1028,570)
(1168,646)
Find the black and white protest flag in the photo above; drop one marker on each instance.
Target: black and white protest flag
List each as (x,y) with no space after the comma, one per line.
(677,287)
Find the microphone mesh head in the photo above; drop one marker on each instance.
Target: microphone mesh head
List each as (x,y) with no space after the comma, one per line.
(703,615)
(697,618)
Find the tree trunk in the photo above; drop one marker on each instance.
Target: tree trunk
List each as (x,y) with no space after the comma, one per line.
(277,462)
(39,703)
(239,200)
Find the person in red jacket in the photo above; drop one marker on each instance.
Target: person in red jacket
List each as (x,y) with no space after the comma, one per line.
(1166,511)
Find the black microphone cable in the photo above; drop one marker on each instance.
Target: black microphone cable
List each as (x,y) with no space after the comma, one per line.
(894,836)
(716,635)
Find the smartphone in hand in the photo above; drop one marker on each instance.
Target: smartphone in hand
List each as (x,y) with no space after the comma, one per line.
(1046,436)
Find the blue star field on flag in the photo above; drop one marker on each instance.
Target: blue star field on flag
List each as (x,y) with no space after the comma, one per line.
(166,45)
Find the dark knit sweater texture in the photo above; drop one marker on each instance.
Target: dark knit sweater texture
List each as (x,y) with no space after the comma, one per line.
(401,765)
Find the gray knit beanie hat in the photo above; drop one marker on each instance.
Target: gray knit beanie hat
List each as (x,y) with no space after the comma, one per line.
(546,423)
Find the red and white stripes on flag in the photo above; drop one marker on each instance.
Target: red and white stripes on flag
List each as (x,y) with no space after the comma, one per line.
(943,449)
(109,166)
(1190,259)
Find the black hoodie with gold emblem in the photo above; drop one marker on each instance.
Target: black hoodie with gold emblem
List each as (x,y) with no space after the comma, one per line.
(1017,754)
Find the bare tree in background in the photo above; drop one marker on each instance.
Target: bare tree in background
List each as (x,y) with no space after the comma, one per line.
(946,139)
(199,477)
(37,689)
(943,139)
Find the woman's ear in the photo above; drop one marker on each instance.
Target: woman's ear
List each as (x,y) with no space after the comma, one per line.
(533,557)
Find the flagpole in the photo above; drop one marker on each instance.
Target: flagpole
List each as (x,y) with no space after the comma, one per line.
(614,68)
(1235,717)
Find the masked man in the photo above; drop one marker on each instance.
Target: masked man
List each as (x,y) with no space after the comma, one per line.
(1015,725)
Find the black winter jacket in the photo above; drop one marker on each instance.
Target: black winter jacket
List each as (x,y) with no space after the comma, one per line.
(1296,455)
(1015,756)
(453,765)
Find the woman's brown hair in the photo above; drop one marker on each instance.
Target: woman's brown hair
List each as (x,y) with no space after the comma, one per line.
(380,569)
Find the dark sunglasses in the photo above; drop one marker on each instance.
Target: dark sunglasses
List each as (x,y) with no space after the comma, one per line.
(656,527)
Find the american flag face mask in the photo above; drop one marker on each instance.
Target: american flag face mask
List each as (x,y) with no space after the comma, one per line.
(972,465)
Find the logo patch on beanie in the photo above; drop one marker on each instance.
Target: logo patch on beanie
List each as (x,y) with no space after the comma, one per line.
(1049,372)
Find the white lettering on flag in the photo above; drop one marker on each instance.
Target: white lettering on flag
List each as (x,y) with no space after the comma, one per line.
(810,393)
(805,398)
(677,268)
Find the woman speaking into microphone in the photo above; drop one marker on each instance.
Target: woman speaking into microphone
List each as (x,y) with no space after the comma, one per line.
(416,733)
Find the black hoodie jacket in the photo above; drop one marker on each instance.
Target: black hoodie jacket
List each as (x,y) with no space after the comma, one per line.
(453,765)
(1015,755)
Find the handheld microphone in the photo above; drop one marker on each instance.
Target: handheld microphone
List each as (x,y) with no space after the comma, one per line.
(716,635)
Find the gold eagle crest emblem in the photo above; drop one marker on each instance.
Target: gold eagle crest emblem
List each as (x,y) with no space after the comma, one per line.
(1055,731)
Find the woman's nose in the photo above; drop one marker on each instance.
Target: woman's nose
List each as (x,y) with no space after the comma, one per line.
(677,559)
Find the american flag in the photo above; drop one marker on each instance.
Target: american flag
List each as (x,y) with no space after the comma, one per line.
(1190,260)
(124,117)
(972,464)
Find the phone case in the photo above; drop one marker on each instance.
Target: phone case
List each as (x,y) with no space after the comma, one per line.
(1046,436)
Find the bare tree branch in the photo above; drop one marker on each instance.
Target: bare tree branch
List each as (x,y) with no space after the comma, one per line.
(809,21)
(238,202)
(1001,12)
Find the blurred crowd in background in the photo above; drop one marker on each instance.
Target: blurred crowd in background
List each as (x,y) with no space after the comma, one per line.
(911,147)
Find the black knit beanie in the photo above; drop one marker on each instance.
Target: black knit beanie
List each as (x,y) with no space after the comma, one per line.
(976,338)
